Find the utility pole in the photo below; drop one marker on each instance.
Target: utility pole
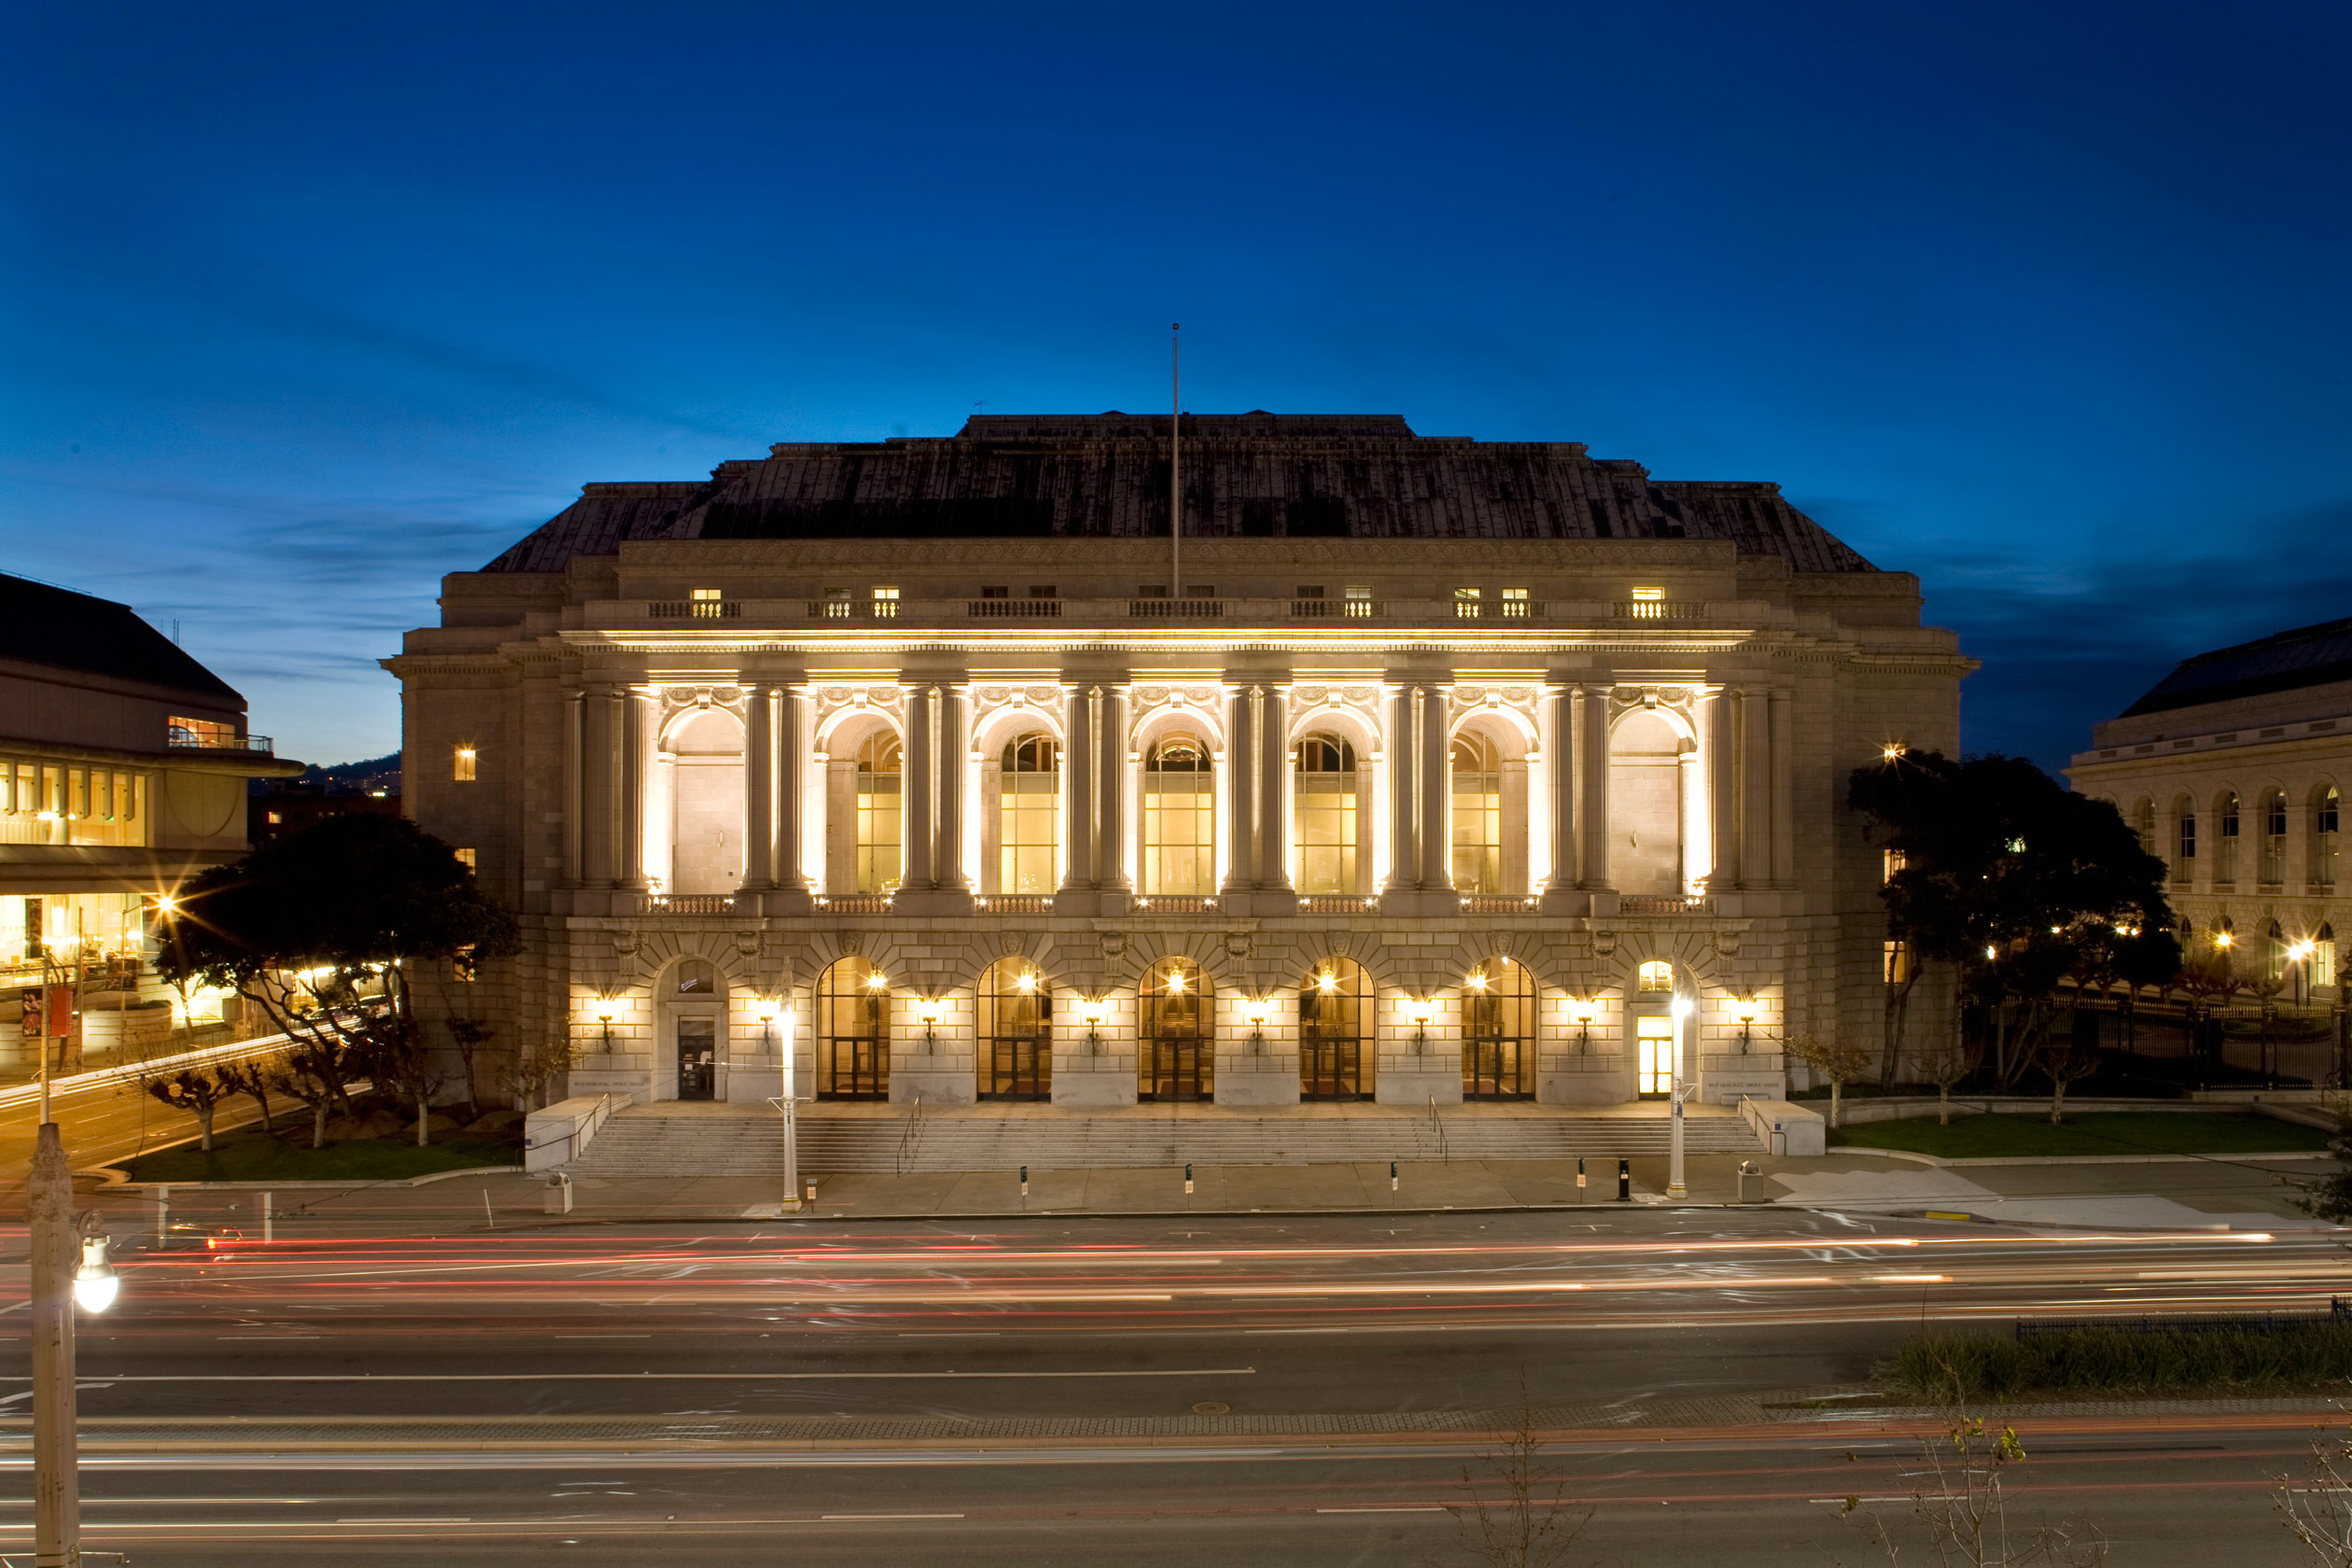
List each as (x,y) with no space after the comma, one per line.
(56,1482)
(1675,1188)
(1175,484)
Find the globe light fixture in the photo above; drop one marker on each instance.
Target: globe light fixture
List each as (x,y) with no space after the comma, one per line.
(95,1283)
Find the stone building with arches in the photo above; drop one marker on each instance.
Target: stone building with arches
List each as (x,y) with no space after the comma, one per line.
(1431,771)
(2232,769)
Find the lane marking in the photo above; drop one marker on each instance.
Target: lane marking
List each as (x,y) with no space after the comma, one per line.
(600,1337)
(641,1376)
(888,1516)
(1393,1509)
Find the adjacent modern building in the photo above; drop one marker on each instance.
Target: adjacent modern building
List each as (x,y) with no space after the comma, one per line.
(123,770)
(1417,770)
(2230,768)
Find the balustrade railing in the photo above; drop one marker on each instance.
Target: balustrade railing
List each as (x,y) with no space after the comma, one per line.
(1166,609)
(1335,904)
(1669,904)
(1014,903)
(1013,610)
(1661,610)
(1172,904)
(687,904)
(1497,903)
(855,903)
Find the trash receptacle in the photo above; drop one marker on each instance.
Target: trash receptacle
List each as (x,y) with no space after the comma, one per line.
(559,1194)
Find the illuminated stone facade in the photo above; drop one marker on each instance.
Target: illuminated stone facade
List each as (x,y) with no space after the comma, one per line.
(1437,768)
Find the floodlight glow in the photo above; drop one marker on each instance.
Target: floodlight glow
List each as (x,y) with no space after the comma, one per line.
(95,1283)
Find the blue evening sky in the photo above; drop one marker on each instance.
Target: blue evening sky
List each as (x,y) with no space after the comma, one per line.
(302,306)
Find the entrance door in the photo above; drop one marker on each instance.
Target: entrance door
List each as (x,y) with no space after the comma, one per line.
(1180,1068)
(1019,1067)
(1654,1040)
(1493,1068)
(1330,1068)
(697,1058)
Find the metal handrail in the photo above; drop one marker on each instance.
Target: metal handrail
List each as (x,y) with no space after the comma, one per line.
(908,1139)
(1437,1126)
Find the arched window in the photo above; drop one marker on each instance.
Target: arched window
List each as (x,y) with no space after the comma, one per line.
(1017,1020)
(1477,814)
(1180,819)
(2225,836)
(2323,837)
(1335,1031)
(1498,1032)
(1028,816)
(853,1032)
(2274,867)
(878,841)
(2274,951)
(1655,975)
(1176,1056)
(1646,783)
(1325,806)
(2185,839)
(2323,956)
(696,977)
(2144,824)
(704,758)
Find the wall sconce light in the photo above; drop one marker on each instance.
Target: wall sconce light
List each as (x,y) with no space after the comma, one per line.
(928,1009)
(1420,1009)
(1257,1008)
(1745,1008)
(766,1009)
(1581,1010)
(604,1016)
(1092,1009)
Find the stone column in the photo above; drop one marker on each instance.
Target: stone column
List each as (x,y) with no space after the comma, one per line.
(948,860)
(1595,704)
(600,786)
(1437,848)
(1691,820)
(1271,740)
(1403,780)
(637,760)
(1237,819)
(1783,786)
(575,783)
(839,876)
(1078,788)
(789,812)
(759,787)
(1755,791)
(1721,728)
(1560,776)
(917,771)
(1110,873)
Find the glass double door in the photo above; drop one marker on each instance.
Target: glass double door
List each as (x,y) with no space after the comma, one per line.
(1330,1068)
(854,1067)
(1497,1068)
(1654,1057)
(1179,1067)
(697,1058)
(1016,1067)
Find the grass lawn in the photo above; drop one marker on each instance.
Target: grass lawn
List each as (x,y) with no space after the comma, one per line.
(249,1154)
(2092,1132)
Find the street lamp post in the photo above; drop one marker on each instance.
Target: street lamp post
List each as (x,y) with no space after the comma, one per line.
(66,1268)
(1674,1186)
(788,1105)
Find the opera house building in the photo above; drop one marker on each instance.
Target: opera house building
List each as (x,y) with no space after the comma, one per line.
(1416,771)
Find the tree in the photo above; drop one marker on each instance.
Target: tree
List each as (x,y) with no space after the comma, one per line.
(2004,874)
(469,1035)
(2318,1513)
(327,931)
(1835,1058)
(1519,1517)
(193,1089)
(1963,1510)
(2067,1059)
(1946,1063)
(527,1076)
(317,1073)
(254,1079)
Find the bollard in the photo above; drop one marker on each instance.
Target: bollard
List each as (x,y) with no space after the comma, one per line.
(809,1195)
(1625,1181)
(269,1220)
(1391,1177)
(1025,1181)
(558,1200)
(1580,1180)
(160,1199)
(1188,1178)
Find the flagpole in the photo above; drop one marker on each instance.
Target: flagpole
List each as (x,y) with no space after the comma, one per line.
(1175,486)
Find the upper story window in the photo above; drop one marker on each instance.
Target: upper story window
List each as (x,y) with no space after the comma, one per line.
(1891,863)
(463,762)
(1477,814)
(1655,975)
(1029,813)
(2274,836)
(1180,843)
(1323,800)
(1044,591)
(885,603)
(2226,833)
(707,603)
(212,734)
(2323,837)
(1152,591)
(697,977)
(1466,605)
(997,591)
(2186,838)
(1516,604)
(838,604)
(1308,591)
(877,814)
(1359,597)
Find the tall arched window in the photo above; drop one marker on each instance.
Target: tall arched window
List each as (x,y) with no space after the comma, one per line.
(703,754)
(1017,1020)
(2323,837)
(1498,1032)
(1180,819)
(1325,808)
(1477,814)
(2225,839)
(2323,956)
(853,1032)
(2185,839)
(2274,951)
(878,819)
(1176,1057)
(2274,867)
(1028,816)
(1335,1031)
(2144,824)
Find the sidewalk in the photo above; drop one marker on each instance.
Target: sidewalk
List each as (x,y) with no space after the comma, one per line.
(2242,1194)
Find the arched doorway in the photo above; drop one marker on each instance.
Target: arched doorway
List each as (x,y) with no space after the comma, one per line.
(1498,1032)
(1335,1031)
(1017,1032)
(1176,1056)
(853,1032)
(693,1005)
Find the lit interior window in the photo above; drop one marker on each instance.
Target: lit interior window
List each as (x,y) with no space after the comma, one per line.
(464,769)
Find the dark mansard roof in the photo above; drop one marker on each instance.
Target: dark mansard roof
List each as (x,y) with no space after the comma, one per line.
(43,624)
(2283,662)
(1245,475)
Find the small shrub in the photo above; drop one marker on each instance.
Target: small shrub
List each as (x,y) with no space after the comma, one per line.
(1954,1369)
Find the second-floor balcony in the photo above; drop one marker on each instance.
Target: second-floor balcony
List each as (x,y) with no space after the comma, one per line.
(1143,611)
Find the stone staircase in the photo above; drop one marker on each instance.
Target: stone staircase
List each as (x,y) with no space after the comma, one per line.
(643,1140)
